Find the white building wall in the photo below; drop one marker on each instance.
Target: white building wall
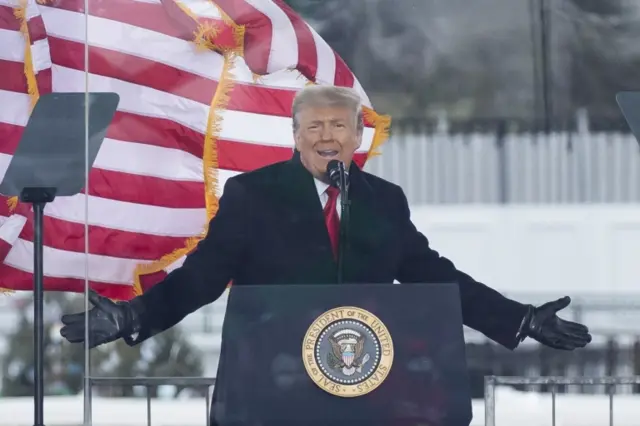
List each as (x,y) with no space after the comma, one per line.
(590,250)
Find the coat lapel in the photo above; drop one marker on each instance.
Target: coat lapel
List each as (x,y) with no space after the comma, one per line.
(368,231)
(306,218)
(369,234)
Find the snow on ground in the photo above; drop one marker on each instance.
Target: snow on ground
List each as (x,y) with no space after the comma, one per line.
(513,408)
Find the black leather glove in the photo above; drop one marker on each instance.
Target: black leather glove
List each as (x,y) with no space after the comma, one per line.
(108,321)
(542,324)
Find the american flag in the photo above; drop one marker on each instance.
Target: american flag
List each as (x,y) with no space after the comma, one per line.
(205,94)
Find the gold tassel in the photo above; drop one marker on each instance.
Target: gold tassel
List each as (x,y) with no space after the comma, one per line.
(12,203)
(382,124)
(238,30)
(203,36)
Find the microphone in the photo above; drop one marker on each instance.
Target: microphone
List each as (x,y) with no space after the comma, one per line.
(339,178)
(337,174)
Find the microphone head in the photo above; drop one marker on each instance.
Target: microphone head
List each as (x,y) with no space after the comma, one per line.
(333,172)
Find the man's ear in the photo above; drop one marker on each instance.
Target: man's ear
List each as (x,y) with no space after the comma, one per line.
(359,139)
(296,140)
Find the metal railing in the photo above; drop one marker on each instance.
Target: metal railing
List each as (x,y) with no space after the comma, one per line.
(491,382)
(204,383)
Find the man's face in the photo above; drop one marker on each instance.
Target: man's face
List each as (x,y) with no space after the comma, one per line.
(325,134)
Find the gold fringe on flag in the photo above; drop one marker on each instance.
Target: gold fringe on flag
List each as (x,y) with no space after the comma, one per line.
(32,84)
(382,124)
(203,40)
(203,36)
(12,203)
(238,30)
(20,14)
(210,167)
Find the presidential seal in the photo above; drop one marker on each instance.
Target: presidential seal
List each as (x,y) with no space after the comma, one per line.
(347,352)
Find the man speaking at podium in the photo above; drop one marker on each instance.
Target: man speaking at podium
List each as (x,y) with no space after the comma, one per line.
(280,225)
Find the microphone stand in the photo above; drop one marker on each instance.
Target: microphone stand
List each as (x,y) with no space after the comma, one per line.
(344,220)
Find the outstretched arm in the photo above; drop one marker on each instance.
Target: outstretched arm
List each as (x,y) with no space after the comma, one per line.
(200,280)
(483,308)
(205,273)
(503,320)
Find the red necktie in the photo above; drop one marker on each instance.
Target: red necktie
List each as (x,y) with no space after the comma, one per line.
(331,218)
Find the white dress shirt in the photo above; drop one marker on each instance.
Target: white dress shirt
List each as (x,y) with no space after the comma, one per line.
(324,197)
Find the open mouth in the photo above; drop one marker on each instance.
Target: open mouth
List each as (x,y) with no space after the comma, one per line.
(327,153)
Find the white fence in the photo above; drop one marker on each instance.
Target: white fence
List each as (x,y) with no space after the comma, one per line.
(569,167)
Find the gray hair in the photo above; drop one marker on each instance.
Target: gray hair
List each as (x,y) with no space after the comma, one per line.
(328,96)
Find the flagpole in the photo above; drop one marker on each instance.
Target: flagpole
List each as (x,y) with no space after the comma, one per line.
(87,357)
(38,198)
(38,314)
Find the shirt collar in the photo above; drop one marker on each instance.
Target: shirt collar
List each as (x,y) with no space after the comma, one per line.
(321,187)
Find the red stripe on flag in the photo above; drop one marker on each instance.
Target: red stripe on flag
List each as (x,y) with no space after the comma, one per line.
(257,38)
(35,25)
(8,20)
(224,36)
(149,280)
(245,97)
(12,76)
(16,279)
(243,157)
(307,51)
(155,131)
(151,16)
(70,236)
(344,76)
(5,247)
(36,28)
(148,190)
(45,81)
(232,155)
(4,208)
(128,128)
(250,98)
(261,100)
(10,136)
(126,187)
(133,69)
